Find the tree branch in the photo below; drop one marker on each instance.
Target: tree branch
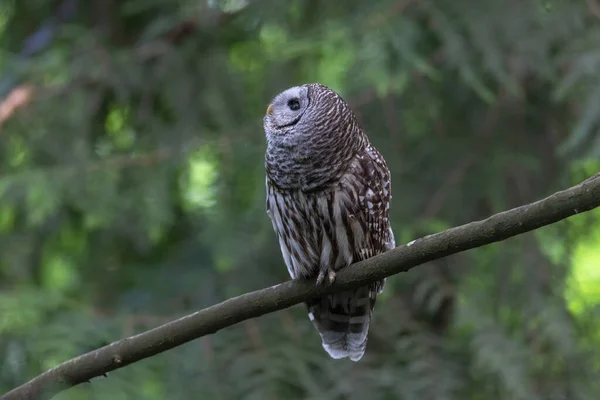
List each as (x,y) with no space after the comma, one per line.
(498,227)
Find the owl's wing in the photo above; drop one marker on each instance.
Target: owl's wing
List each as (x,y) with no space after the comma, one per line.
(374,190)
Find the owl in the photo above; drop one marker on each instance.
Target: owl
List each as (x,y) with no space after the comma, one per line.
(328,197)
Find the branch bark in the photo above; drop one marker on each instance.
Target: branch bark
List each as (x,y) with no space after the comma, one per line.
(580,198)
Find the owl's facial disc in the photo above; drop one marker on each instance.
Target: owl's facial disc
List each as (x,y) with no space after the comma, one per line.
(288,107)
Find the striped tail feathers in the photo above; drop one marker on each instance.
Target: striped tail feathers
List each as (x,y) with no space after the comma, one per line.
(342,319)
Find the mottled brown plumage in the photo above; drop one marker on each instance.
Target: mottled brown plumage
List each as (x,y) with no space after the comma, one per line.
(328,196)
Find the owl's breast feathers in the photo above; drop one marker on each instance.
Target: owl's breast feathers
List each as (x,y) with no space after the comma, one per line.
(339,224)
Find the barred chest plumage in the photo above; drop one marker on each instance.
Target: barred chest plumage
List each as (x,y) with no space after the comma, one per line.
(303,221)
(327,228)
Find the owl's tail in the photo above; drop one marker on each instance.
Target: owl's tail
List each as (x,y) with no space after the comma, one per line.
(342,319)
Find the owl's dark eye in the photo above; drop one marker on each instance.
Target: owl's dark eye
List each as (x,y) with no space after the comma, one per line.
(293,104)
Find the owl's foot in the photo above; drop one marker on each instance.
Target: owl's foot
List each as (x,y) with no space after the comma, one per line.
(330,275)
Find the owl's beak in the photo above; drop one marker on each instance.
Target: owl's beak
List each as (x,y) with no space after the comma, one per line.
(270,109)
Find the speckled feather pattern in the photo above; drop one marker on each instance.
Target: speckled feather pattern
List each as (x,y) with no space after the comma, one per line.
(328,197)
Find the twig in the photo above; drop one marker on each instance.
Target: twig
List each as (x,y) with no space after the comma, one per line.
(498,227)
(17,98)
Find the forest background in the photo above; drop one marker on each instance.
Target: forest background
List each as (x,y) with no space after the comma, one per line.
(132,191)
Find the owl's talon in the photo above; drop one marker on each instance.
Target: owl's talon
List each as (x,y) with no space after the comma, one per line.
(320,278)
(330,277)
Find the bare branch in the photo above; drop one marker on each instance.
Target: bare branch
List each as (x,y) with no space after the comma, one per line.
(498,227)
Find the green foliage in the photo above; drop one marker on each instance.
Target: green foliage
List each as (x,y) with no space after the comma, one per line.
(132,192)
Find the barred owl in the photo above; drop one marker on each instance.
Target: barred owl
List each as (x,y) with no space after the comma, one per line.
(328,197)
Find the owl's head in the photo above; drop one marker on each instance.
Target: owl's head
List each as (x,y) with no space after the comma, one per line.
(310,130)
(308,109)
